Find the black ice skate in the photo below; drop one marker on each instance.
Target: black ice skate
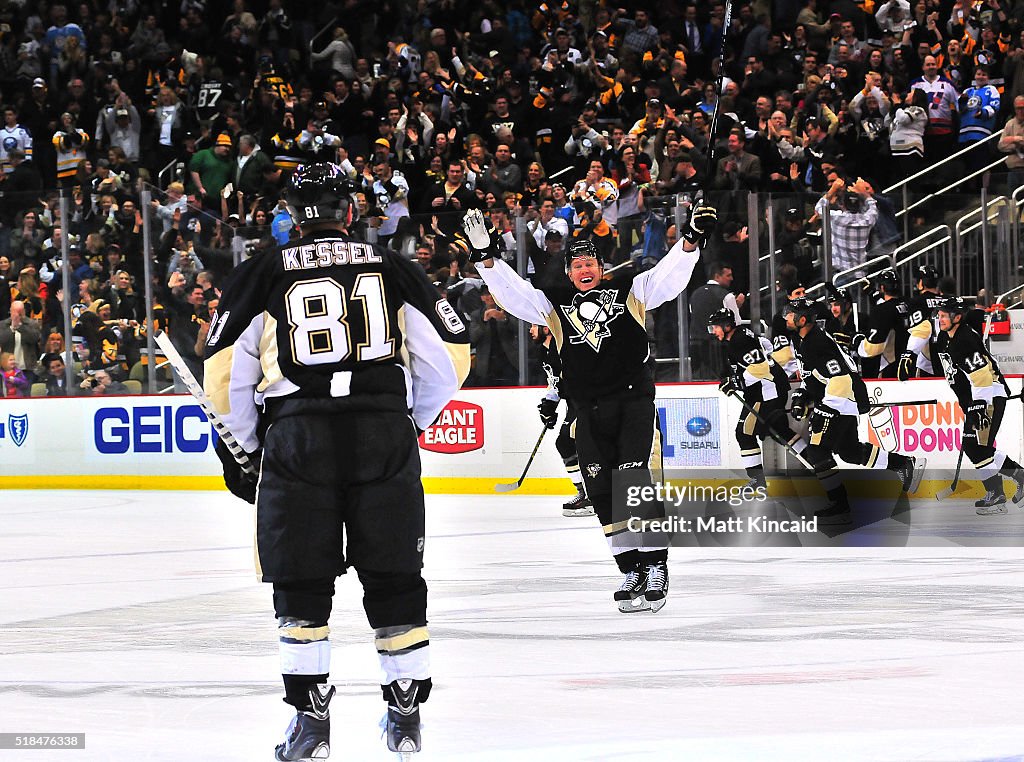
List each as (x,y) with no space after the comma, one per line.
(1018,478)
(910,474)
(836,513)
(630,595)
(309,734)
(993,503)
(402,722)
(580,504)
(656,593)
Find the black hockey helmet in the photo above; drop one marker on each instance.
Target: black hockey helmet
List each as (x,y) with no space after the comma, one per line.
(724,317)
(319,192)
(838,296)
(582,247)
(928,276)
(954,305)
(887,279)
(802,307)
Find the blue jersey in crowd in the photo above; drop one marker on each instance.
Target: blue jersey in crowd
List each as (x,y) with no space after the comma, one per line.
(978,115)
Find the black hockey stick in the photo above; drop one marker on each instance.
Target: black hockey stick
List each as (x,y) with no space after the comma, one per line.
(771,431)
(241,456)
(712,134)
(943,494)
(518,484)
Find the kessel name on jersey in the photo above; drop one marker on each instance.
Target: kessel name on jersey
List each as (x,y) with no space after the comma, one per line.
(327,253)
(590,314)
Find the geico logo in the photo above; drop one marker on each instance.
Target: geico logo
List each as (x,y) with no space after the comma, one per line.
(153,428)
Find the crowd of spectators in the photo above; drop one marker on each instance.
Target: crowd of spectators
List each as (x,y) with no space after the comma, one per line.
(583,118)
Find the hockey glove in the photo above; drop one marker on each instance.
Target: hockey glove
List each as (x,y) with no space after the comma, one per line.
(730,385)
(484,242)
(702,221)
(907,367)
(238,482)
(855,342)
(976,418)
(548,412)
(801,405)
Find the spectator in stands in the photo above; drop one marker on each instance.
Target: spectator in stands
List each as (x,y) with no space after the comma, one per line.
(211,170)
(739,170)
(907,124)
(55,377)
(1012,144)
(939,136)
(852,214)
(70,142)
(102,383)
(543,220)
(706,355)
(20,335)
(493,333)
(16,383)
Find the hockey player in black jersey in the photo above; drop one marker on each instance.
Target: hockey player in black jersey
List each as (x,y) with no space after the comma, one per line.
(599,332)
(886,337)
(981,391)
(916,359)
(841,324)
(783,352)
(314,357)
(580,504)
(752,373)
(833,394)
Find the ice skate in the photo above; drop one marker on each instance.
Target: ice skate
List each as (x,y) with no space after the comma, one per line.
(309,734)
(1018,479)
(911,473)
(402,721)
(656,592)
(836,513)
(630,595)
(579,505)
(993,503)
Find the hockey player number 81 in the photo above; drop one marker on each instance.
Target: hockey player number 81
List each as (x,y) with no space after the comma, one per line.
(320,333)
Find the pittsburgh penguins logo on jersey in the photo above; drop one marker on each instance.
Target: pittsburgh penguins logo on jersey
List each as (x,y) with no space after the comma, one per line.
(589,315)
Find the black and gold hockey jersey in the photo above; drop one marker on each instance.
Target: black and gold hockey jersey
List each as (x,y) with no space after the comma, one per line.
(829,374)
(329,317)
(921,327)
(969,368)
(750,362)
(599,333)
(887,332)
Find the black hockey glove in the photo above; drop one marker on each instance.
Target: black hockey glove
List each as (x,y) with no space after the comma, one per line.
(702,221)
(801,404)
(238,482)
(976,418)
(907,367)
(548,412)
(730,385)
(855,342)
(484,241)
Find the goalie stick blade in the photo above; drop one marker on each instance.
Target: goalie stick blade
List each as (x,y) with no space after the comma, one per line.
(507,487)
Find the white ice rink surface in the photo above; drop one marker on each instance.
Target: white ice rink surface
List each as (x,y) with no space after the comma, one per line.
(136,619)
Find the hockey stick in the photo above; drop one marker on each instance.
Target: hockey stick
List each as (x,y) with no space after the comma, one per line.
(943,494)
(518,484)
(712,134)
(196,390)
(771,432)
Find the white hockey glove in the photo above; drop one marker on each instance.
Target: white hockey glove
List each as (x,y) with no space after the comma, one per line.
(481,239)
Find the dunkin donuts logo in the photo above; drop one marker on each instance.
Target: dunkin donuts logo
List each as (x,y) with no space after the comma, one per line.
(917,428)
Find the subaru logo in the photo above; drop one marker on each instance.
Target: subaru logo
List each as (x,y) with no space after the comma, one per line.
(698,426)
(18,426)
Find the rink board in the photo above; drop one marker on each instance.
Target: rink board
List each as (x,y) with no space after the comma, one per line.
(483,437)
